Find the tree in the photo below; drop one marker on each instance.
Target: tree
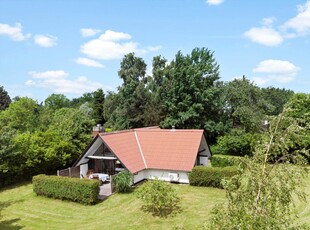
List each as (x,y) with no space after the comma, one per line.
(277,98)
(190,102)
(74,126)
(97,105)
(21,115)
(261,195)
(5,99)
(158,84)
(245,104)
(11,159)
(57,101)
(132,97)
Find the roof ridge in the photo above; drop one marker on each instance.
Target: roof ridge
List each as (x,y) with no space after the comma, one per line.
(139,146)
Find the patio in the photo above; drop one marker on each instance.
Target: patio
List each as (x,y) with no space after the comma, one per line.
(105,190)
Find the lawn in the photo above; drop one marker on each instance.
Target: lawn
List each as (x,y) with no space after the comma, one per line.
(22,209)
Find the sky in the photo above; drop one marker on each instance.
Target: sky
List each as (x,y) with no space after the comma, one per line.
(72,47)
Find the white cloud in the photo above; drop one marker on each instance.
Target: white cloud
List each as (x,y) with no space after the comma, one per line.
(88,32)
(45,40)
(301,22)
(260,80)
(89,62)
(14,32)
(113,45)
(292,28)
(275,70)
(154,48)
(214,2)
(265,35)
(57,81)
(110,35)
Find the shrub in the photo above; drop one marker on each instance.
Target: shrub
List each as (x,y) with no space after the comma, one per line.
(159,197)
(210,176)
(74,189)
(236,143)
(224,160)
(123,181)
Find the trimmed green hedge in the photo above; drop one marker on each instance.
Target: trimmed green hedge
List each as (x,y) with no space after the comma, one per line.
(224,160)
(74,189)
(209,176)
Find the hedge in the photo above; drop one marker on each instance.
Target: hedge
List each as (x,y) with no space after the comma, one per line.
(210,176)
(224,160)
(65,188)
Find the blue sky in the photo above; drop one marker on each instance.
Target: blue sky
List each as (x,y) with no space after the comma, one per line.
(73,47)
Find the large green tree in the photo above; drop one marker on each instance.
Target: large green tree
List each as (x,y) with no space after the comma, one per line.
(132,97)
(57,101)
(245,104)
(21,115)
(191,99)
(277,98)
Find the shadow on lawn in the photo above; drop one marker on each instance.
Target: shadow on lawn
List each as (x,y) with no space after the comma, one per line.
(9,224)
(163,211)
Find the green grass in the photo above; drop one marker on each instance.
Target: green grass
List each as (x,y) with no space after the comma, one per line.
(22,209)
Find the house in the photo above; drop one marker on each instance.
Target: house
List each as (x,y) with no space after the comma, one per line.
(167,154)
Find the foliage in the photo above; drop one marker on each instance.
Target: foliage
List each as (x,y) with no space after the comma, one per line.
(21,115)
(236,143)
(123,181)
(224,160)
(39,139)
(5,99)
(210,176)
(97,106)
(132,97)
(245,104)
(277,98)
(74,189)
(44,152)
(57,101)
(11,169)
(261,196)
(159,197)
(190,101)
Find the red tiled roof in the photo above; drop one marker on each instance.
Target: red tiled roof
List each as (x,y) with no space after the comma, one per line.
(155,148)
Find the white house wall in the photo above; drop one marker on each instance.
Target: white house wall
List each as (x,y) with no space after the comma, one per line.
(160,175)
(83,170)
(139,176)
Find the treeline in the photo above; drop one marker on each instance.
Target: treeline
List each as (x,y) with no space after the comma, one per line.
(40,138)
(185,92)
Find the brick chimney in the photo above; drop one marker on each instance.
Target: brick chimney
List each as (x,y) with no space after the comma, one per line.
(97,129)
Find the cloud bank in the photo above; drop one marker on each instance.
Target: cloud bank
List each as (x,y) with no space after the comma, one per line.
(275,71)
(58,81)
(269,36)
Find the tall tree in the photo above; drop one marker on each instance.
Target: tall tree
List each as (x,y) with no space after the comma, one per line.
(158,84)
(5,99)
(191,100)
(132,96)
(97,106)
(276,97)
(245,104)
